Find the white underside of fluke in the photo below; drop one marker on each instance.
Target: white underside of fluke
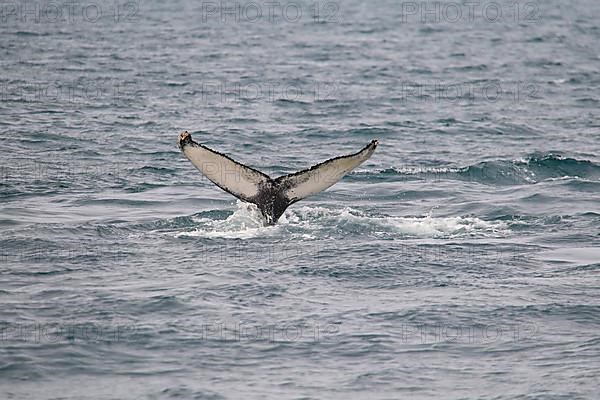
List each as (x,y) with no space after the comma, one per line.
(324,175)
(241,181)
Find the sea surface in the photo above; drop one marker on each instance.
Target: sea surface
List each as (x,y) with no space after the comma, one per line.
(462,261)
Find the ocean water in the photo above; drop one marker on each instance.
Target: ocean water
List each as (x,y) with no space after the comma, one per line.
(460,262)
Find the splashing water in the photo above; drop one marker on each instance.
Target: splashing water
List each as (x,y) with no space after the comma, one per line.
(315,222)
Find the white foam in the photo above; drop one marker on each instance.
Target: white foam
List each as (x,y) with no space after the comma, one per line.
(411,170)
(425,226)
(245,222)
(308,223)
(448,226)
(569,178)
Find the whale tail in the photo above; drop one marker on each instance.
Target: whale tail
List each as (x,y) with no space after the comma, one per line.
(272,196)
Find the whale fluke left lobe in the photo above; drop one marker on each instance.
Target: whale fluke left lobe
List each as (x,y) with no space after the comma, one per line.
(243,182)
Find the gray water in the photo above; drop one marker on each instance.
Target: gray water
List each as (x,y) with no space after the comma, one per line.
(461,261)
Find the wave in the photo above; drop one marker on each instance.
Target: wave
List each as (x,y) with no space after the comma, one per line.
(533,169)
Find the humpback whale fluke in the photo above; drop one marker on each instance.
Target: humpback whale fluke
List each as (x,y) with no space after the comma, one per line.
(272,196)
